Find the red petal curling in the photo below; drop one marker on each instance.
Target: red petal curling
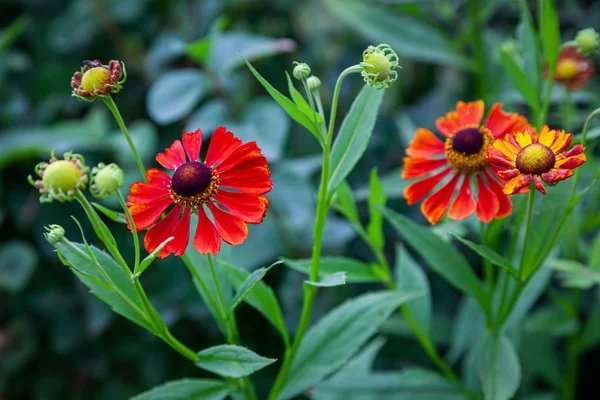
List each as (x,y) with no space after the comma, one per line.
(505,202)
(425,144)
(231,228)
(161,232)
(463,205)
(487,202)
(435,206)
(221,145)
(181,235)
(192,143)
(539,185)
(206,239)
(173,156)
(249,208)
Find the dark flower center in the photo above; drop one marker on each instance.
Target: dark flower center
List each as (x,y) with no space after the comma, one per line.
(536,159)
(468,141)
(191,178)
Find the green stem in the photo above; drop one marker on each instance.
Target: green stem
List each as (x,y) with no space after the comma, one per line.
(110,103)
(586,128)
(232,337)
(474,7)
(542,116)
(317,95)
(136,241)
(310,100)
(310,292)
(568,111)
(573,351)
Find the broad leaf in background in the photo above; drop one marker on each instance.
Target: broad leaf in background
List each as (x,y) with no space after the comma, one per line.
(231,361)
(489,254)
(18,262)
(248,284)
(356,271)
(353,137)
(551,321)
(187,389)
(208,117)
(501,371)
(261,298)
(519,79)
(408,36)
(469,324)
(335,338)
(377,199)
(335,279)
(175,94)
(288,105)
(573,274)
(530,47)
(549,32)
(531,293)
(410,277)
(442,257)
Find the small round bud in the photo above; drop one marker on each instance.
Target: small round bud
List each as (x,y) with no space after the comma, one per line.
(509,47)
(105,180)
(97,80)
(54,233)
(301,71)
(313,83)
(587,41)
(379,64)
(60,179)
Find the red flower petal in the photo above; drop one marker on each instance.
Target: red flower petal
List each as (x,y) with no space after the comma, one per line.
(577,149)
(181,235)
(222,143)
(231,228)
(192,143)
(500,122)
(505,203)
(571,162)
(463,205)
(206,239)
(539,185)
(248,152)
(487,202)
(435,206)
(253,168)
(416,191)
(161,232)
(498,158)
(249,208)
(509,174)
(173,156)
(517,183)
(557,175)
(145,215)
(140,193)
(425,144)
(465,114)
(418,167)
(157,177)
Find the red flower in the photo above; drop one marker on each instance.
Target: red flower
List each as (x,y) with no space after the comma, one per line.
(230,182)
(573,69)
(461,155)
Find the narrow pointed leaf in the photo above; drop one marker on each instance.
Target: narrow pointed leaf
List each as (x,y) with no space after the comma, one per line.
(489,254)
(151,257)
(377,199)
(231,361)
(346,204)
(188,389)
(113,215)
(335,279)
(519,79)
(356,271)
(249,284)
(549,32)
(300,102)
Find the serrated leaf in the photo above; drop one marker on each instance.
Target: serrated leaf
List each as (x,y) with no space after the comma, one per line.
(261,298)
(251,281)
(335,338)
(188,389)
(335,279)
(113,215)
(489,254)
(377,199)
(356,271)
(353,137)
(442,257)
(501,371)
(231,361)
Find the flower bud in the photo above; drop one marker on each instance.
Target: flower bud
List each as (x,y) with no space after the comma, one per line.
(97,80)
(105,180)
(60,179)
(379,64)
(509,47)
(313,83)
(301,71)
(587,41)
(54,233)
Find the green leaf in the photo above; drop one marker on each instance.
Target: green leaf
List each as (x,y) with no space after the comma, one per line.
(469,325)
(392,182)
(198,50)
(594,259)
(261,298)
(551,321)
(408,36)
(113,215)
(590,334)
(573,274)
(335,279)
(18,262)
(549,32)
(442,257)
(231,361)
(335,338)
(175,94)
(151,257)
(346,204)
(105,279)
(354,135)
(188,389)
(11,33)
(356,271)
(519,79)
(530,46)
(489,254)
(301,103)
(290,108)
(410,277)
(501,371)
(251,281)
(362,362)
(377,200)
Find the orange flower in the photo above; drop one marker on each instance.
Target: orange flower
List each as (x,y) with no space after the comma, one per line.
(573,69)
(524,157)
(462,155)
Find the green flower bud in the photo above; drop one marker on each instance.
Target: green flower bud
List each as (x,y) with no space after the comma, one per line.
(60,179)
(54,233)
(379,64)
(587,41)
(313,83)
(301,71)
(509,47)
(106,179)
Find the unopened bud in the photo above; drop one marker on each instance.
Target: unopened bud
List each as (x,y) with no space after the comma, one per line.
(106,179)
(588,41)
(313,83)
(54,233)
(301,71)
(379,64)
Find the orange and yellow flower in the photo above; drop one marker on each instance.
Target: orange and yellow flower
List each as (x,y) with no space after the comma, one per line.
(573,69)
(524,158)
(461,155)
